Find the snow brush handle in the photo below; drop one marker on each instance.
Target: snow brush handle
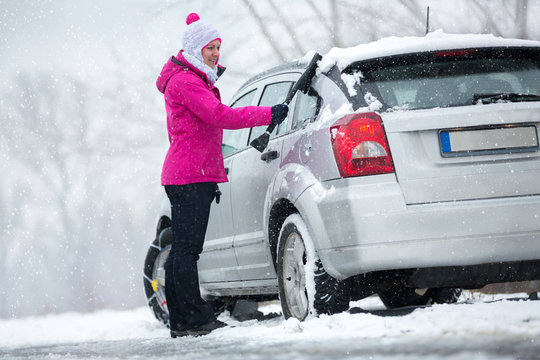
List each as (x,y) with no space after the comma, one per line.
(303,84)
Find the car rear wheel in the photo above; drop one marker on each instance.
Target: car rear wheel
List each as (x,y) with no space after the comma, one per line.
(403,296)
(154,279)
(304,286)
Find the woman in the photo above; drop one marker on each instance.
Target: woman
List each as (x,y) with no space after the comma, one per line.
(194,165)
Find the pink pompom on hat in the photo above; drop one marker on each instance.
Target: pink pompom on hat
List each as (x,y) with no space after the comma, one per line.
(192,18)
(197,35)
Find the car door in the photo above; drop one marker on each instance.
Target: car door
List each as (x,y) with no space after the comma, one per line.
(218,260)
(251,180)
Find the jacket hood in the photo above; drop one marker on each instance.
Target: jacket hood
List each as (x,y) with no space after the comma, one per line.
(176,64)
(169,69)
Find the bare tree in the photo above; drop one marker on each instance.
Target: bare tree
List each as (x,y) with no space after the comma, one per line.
(331,26)
(288,27)
(264,30)
(50,129)
(504,18)
(521,19)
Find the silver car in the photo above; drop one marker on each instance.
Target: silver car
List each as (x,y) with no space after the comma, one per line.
(410,168)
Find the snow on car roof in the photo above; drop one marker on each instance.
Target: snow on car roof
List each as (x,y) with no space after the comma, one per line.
(437,40)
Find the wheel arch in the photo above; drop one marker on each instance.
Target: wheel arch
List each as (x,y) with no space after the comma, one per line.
(288,184)
(164,215)
(163,222)
(280,210)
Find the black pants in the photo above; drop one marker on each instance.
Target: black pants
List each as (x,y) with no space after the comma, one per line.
(190,209)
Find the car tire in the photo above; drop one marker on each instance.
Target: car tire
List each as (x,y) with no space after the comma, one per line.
(402,296)
(154,280)
(304,286)
(154,274)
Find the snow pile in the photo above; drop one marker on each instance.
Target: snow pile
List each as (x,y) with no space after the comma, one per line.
(437,40)
(480,318)
(76,327)
(489,320)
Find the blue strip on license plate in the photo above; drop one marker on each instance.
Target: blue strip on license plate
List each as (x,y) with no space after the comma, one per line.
(445,142)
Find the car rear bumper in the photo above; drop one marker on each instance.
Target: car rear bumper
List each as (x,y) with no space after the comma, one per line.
(360,225)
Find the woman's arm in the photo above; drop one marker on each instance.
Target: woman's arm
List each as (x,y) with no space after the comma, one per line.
(193,93)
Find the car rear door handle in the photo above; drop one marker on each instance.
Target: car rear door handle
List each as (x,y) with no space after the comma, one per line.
(270,155)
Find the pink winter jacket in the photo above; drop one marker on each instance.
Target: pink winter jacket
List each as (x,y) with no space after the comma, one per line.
(195,122)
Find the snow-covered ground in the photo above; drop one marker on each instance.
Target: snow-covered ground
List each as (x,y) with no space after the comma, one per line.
(478,327)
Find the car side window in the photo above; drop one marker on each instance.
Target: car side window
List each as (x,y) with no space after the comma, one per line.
(232,139)
(273,94)
(306,109)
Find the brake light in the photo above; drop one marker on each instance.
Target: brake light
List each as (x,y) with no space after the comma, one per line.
(360,145)
(454,53)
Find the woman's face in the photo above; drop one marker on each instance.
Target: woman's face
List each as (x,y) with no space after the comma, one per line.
(210,53)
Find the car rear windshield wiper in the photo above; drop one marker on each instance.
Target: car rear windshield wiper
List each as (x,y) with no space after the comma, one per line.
(514,97)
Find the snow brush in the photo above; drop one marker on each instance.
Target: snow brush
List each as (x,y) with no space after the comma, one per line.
(303,84)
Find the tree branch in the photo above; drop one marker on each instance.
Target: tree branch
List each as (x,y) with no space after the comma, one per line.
(264,30)
(323,21)
(285,22)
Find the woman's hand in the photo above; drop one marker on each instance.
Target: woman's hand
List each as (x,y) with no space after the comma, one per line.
(279,113)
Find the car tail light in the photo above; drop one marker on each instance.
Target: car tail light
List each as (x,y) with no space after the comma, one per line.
(360,145)
(454,53)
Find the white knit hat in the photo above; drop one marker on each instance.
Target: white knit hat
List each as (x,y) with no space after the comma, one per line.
(198,35)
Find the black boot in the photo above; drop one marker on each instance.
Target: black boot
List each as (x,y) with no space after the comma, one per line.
(178,333)
(199,330)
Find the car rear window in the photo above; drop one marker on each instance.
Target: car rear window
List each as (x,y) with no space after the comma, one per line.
(451,78)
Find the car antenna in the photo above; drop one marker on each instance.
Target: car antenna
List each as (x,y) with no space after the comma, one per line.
(427,21)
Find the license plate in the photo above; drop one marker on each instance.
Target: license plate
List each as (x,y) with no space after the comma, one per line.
(488,140)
